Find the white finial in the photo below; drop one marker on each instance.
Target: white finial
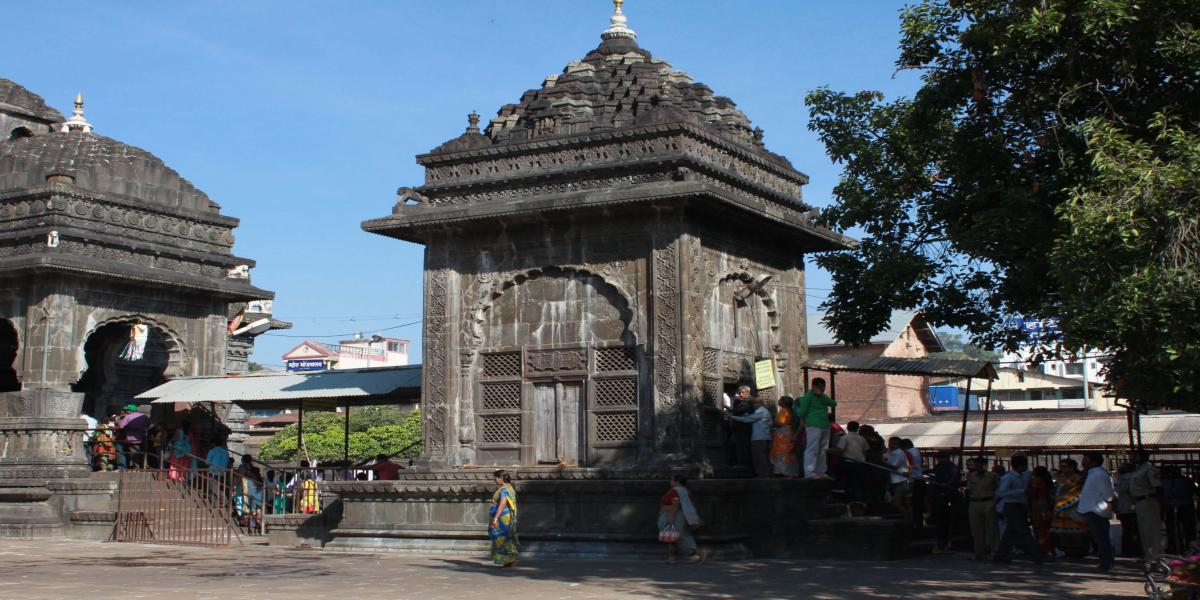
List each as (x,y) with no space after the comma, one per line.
(617,25)
(77,122)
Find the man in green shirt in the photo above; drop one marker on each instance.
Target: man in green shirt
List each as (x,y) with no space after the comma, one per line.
(813,409)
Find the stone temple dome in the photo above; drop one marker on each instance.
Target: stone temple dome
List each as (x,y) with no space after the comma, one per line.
(615,86)
(95,162)
(99,164)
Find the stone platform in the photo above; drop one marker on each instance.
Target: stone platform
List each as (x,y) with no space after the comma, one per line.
(580,514)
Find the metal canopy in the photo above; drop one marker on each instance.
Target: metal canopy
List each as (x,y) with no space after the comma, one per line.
(1178,430)
(312,390)
(937,367)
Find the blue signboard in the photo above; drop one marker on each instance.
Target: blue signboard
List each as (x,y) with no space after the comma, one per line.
(308,364)
(1035,331)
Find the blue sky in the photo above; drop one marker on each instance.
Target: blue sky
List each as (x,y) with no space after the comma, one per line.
(302,118)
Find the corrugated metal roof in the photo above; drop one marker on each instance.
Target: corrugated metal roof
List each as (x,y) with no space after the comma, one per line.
(354,385)
(1172,430)
(941,367)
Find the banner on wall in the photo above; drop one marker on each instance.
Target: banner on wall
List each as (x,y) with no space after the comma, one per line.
(764,374)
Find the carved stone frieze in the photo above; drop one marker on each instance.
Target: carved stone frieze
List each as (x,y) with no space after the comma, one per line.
(723,160)
(121,221)
(550,361)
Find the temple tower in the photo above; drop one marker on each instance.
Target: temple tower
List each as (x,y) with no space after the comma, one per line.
(602,262)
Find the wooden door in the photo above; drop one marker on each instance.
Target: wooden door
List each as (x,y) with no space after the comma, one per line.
(556,422)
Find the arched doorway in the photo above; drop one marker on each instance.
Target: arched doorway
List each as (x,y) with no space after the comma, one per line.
(557,375)
(9,343)
(112,380)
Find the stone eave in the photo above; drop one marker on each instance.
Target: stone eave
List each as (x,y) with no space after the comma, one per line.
(567,141)
(65,231)
(230,290)
(50,190)
(415,221)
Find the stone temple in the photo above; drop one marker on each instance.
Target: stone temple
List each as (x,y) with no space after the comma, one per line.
(603,260)
(96,236)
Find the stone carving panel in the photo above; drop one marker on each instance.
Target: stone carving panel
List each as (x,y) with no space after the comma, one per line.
(435,361)
(551,361)
(726,159)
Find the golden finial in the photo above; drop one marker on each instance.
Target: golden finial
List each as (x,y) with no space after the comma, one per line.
(77,122)
(618,24)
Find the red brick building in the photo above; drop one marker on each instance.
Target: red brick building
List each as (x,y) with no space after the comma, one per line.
(871,397)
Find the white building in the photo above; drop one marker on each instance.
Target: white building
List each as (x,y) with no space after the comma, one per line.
(358,353)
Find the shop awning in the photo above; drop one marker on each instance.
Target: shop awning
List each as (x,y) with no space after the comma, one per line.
(312,390)
(936,367)
(1180,430)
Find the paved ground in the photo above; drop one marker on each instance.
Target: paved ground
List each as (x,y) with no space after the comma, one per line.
(71,569)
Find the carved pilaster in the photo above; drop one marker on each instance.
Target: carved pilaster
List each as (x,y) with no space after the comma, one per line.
(665,273)
(694,288)
(435,380)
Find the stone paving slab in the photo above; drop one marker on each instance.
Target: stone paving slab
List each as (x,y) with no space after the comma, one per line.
(52,569)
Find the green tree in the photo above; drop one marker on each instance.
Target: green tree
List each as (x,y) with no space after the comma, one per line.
(386,430)
(957,347)
(1045,168)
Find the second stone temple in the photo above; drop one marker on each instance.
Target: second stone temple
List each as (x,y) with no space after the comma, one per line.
(605,260)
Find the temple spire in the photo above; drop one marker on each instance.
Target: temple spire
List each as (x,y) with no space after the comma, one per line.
(617,25)
(77,122)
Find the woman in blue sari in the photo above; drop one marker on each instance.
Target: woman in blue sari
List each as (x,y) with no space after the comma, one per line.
(502,529)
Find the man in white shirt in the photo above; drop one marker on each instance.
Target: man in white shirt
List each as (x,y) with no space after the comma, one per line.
(760,436)
(88,434)
(917,473)
(1095,503)
(1014,505)
(901,489)
(853,447)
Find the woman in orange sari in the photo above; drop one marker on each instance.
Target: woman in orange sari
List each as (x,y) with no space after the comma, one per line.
(783,441)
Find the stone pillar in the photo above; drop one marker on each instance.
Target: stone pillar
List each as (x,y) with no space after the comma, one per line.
(41,439)
(793,335)
(49,346)
(692,338)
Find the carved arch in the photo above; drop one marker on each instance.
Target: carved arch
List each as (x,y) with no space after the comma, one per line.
(176,350)
(477,315)
(768,299)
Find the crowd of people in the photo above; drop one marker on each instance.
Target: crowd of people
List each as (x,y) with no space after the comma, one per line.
(1045,514)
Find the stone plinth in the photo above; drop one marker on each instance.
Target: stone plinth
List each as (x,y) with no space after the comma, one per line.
(40,441)
(574,514)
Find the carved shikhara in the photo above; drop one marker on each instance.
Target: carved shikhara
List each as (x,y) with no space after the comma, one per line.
(435,380)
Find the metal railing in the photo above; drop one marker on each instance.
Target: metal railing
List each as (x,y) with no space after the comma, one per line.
(176,506)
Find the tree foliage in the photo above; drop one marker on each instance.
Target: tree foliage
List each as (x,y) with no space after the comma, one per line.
(373,431)
(1045,168)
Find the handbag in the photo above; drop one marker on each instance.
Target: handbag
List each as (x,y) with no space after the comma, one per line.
(668,534)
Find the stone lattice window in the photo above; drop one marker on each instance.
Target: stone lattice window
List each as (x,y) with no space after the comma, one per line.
(616,426)
(499,399)
(500,395)
(500,429)
(616,392)
(615,359)
(502,364)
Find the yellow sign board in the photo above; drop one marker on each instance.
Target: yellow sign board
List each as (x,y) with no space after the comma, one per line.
(764,374)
